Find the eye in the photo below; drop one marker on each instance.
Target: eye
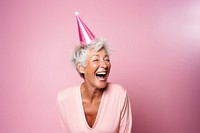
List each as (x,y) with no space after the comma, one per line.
(95,60)
(107,59)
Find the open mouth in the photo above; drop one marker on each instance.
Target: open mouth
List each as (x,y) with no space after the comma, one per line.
(101,75)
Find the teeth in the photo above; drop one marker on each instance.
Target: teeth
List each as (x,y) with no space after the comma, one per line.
(101,73)
(101,76)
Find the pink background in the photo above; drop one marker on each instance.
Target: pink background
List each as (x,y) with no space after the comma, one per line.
(156,57)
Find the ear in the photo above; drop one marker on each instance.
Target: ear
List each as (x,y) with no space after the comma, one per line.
(80,68)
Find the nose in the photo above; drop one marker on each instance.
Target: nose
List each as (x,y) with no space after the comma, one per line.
(103,64)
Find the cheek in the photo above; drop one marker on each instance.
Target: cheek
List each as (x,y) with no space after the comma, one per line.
(92,67)
(109,65)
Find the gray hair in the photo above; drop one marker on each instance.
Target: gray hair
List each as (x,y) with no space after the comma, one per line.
(80,53)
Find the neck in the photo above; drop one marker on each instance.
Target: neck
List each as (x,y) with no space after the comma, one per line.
(90,93)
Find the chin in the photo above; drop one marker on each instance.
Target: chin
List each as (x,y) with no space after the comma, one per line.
(102,85)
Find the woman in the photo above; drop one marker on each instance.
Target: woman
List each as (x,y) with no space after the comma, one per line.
(94,106)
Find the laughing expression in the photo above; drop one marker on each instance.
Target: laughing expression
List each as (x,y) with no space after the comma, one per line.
(97,68)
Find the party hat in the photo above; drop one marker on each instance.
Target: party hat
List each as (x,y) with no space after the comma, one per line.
(85,35)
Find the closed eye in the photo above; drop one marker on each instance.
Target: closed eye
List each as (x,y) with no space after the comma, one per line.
(95,60)
(107,59)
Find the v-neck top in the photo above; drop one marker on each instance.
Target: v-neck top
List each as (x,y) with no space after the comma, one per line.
(79,99)
(113,116)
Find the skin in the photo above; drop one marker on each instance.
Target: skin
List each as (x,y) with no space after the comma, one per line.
(92,88)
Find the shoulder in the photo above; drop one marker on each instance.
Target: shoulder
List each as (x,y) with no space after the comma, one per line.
(116,91)
(116,88)
(67,93)
(117,94)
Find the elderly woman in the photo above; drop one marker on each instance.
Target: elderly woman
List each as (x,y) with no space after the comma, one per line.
(94,106)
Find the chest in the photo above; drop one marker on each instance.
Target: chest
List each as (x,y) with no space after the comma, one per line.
(91,111)
(103,116)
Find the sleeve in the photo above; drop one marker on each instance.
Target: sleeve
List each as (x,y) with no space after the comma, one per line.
(126,116)
(60,110)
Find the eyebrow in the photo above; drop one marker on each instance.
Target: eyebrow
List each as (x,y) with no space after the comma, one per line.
(99,56)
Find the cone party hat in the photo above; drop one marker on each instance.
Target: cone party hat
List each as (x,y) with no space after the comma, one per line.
(85,35)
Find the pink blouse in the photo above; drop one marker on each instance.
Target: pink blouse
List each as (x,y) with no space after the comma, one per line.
(114,114)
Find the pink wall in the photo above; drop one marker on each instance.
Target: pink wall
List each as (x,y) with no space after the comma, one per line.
(156,57)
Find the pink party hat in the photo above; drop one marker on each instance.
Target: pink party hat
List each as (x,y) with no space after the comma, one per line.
(85,35)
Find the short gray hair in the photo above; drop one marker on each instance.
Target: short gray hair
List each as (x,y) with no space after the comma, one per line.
(80,53)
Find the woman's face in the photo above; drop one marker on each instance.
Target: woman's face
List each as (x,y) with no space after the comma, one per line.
(97,68)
